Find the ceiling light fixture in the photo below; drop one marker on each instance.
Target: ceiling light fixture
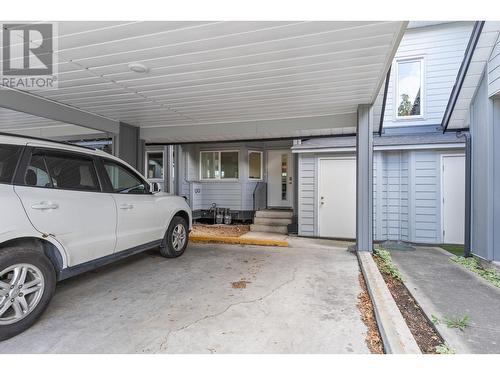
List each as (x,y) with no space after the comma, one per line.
(138,68)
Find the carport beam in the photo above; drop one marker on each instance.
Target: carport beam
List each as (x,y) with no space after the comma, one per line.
(364,179)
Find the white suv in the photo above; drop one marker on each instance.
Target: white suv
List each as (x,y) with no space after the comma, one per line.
(67,209)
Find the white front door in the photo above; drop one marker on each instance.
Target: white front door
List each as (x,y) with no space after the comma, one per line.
(337,197)
(279,178)
(453,198)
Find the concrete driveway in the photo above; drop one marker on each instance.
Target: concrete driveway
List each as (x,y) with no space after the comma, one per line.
(300,299)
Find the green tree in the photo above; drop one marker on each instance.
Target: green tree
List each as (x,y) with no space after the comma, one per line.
(405,106)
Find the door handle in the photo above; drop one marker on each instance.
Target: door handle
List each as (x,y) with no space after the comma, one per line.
(45,206)
(126,206)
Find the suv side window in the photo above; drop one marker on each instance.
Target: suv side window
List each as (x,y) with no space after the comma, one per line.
(61,170)
(9,156)
(123,180)
(37,173)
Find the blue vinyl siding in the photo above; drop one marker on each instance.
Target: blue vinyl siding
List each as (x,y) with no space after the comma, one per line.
(307,195)
(406,195)
(442,48)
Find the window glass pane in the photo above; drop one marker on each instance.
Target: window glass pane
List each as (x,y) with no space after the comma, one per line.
(36,174)
(72,172)
(155,164)
(9,155)
(254,165)
(409,88)
(229,164)
(124,181)
(284,175)
(209,165)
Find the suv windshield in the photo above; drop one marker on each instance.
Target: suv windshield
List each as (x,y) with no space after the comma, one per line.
(9,155)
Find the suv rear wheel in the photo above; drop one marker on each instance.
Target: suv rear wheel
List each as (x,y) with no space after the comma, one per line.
(176,238)
(27,284)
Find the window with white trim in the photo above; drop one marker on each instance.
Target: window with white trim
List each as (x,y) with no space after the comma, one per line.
(154,164)
(409,88)
(219,165)
(255,165)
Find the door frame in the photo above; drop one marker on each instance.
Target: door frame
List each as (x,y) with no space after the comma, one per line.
(441,181)
(318,171)
(290,168)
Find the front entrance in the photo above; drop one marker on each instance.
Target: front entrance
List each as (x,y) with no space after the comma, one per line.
(337,197)
(279,178)
(453,198)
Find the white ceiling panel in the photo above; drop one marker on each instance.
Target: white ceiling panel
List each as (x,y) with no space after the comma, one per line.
(211,72)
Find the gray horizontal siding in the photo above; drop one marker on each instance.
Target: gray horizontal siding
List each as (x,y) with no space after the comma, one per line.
(307,195)
(235,195)
(227,195)
(406,195)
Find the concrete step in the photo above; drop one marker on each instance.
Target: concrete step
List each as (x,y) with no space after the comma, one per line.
(276,214)
(271,221)
(269,228)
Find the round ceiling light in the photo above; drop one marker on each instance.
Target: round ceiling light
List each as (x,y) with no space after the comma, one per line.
(138,68)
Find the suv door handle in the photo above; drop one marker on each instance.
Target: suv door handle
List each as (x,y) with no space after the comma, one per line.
(45,206)
(126,206)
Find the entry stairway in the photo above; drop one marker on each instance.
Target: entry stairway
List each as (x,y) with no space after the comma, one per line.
(272,220)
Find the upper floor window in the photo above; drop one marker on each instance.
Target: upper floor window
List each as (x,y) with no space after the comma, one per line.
(409,88)
(217,165)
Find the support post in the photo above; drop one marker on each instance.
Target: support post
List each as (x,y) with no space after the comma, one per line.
(169,169)
(177,169)
(127,145)
(468,192)
(364,179)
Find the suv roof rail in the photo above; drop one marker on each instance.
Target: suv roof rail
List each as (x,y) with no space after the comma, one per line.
(46,140)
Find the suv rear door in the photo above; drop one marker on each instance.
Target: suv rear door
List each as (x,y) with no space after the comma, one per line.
(62,195)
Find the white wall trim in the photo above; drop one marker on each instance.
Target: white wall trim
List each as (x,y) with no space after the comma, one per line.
(436,146)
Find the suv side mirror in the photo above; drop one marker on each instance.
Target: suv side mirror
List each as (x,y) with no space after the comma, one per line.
(155,187)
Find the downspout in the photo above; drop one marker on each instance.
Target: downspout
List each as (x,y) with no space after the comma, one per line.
(384,101)
(468,191)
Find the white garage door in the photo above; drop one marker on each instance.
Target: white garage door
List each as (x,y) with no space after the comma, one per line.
(337,197)
(453,198)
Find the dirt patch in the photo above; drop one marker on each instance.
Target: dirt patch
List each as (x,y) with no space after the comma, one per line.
(219,230)
(422,330)
(242,284)
(365,306)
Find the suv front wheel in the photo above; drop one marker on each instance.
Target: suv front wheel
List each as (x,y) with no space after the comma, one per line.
(27,284)
(176,238)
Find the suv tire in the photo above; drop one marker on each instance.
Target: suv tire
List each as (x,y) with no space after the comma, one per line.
(176,238)
(28,282)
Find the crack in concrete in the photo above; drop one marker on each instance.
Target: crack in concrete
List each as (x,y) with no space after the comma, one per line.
(164,343)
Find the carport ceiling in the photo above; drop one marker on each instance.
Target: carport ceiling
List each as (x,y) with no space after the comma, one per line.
(223,80)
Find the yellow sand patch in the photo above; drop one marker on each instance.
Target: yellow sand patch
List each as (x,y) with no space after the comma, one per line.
(238,240)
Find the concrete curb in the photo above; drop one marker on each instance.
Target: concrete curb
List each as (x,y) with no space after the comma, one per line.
(239,241)
(396,335)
